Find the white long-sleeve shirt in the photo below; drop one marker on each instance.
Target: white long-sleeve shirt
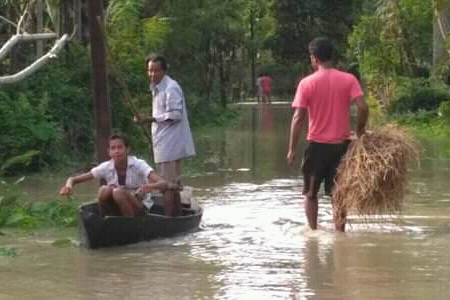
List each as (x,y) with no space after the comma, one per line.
(171,133)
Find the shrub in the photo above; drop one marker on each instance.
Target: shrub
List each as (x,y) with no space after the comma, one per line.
(418,94)
(25,127)
(444,111)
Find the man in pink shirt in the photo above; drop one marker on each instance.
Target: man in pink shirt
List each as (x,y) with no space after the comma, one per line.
(326,95)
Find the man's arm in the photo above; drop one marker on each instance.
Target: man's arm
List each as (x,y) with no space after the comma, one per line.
(296,127)
(71,181)
(156,182)
(174,106)
(363,115)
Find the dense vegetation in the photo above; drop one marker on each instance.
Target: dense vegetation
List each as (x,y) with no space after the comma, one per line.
(215,49)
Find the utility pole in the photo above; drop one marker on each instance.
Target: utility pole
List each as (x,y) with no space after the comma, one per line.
(102,110)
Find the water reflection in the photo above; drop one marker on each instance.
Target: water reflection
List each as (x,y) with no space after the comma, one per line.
(258,143)
(146,271)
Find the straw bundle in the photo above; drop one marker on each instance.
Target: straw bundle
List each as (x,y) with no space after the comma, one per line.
(371,178)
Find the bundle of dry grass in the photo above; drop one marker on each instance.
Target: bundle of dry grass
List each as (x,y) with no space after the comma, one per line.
(371,178)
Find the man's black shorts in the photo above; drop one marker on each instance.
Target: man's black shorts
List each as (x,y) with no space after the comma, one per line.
(321,161)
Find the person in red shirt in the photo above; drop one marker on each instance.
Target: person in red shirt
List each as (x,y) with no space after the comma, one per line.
(266,88)
(326,96)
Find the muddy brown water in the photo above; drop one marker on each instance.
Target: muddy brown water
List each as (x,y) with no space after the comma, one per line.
(253,242)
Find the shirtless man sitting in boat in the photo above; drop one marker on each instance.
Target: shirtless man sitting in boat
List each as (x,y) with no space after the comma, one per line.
(129,180)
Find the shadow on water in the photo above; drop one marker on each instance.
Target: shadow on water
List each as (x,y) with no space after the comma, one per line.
(253,242)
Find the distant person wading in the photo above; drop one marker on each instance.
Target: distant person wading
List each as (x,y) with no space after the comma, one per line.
(264,88)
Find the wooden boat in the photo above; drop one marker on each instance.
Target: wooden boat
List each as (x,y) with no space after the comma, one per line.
(104,231)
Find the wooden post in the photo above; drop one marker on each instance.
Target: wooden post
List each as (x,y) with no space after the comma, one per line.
(102,110)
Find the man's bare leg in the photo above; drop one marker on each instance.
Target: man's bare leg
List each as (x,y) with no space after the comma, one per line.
(172,203)
(306,173)
(312,205)
(171,171)
(106,202)
(124,200)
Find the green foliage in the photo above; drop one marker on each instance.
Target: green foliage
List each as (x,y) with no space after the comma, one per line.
(155,32)
(8,252)
(203,45)
(24,126)
(419,94)
(444,111)
(50,111)
(10,192)
(202,112)
(376,56)
(213,49)
(429,128)
(421,118)
(125,33)
(392,40)
(441,4)
(33,215)
(30,215)
(23,160)
(298,22)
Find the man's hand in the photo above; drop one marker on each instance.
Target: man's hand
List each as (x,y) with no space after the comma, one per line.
(290,157)
(139,193)
(360,132)
(65,191)
(142,120)
(173,186)
(137,118)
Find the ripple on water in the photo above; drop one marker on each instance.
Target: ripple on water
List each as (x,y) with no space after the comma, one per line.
(259,234)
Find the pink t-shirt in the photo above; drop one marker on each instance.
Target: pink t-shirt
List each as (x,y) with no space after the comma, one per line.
(266,84)
(327,95)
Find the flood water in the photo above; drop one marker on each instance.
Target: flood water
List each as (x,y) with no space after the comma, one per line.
(253,242)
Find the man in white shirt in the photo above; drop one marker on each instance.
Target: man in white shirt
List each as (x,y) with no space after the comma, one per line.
(171,134)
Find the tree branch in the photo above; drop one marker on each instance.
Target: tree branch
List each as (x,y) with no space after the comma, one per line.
(22,17)
(8,21)
(59,44)
(24,37)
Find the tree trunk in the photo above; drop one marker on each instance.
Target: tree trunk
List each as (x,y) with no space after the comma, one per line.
(77,7)
(223,93)
(253,54)
(102,110)
(440,30)
(40,26)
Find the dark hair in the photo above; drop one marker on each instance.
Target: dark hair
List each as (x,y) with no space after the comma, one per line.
(156,58)
(321,48)
(119,136)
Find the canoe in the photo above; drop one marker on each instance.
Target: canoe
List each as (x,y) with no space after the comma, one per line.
(105,231)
